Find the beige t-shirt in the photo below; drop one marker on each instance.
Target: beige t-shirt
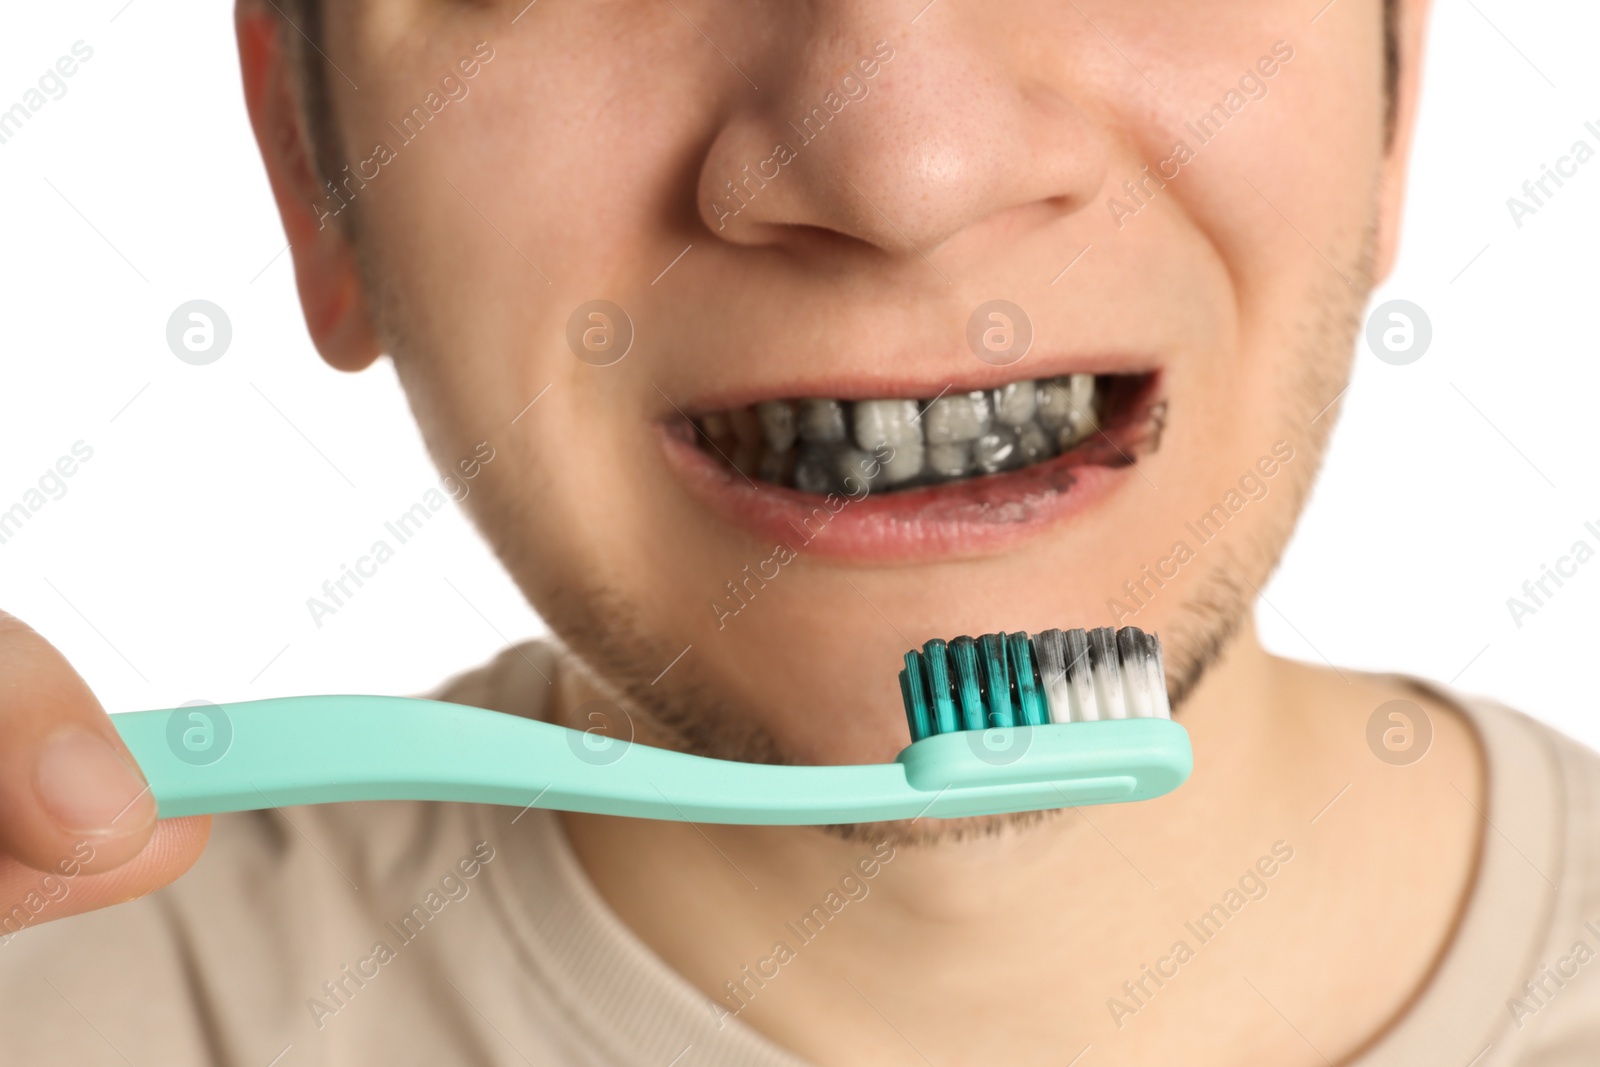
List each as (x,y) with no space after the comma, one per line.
(428,933)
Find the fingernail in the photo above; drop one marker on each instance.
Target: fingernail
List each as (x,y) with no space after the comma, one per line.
(87,787)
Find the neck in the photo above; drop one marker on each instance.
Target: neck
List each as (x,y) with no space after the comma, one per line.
(1031,943)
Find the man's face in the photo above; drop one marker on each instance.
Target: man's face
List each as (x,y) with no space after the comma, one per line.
(1182,200)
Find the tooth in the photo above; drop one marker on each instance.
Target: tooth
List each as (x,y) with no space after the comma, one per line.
(1083,427)
(853,466)
(996,450)
(715,425)
(775,467)
(777,423)
(1070,436)
(1034,444)
(885,422)
(950,460)
(821,422)
(746,458)
(813,470)
(957,418)
(1066,401)
(905,463)
(890,427)
(1014,403)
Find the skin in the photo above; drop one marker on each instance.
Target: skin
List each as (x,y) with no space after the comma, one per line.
(582,161)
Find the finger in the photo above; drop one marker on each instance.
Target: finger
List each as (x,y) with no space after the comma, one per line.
(29,897)
(65,775)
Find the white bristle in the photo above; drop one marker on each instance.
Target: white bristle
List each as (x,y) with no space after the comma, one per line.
(1050,649)
(1107,674)
(1088,675)
(1080,684)
(1135,674)
(1158,677)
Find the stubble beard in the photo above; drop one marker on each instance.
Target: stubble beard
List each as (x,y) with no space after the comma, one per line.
(683,711)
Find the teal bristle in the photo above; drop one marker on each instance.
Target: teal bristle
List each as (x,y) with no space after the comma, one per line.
(999,680)
(968,686)
(935,662)
(916,696)
(999,701)
(1031,707)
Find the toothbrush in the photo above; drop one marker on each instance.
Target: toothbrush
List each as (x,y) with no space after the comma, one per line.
(1001,723)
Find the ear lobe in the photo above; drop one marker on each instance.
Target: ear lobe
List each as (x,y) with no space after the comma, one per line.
(1411,31)
(327,274)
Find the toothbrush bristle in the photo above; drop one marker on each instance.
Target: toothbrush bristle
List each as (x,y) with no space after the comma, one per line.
(1015,679)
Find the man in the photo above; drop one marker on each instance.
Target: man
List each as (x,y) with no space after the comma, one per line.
(682,267)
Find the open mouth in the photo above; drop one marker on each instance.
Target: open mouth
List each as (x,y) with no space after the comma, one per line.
(902,479)
(821,445)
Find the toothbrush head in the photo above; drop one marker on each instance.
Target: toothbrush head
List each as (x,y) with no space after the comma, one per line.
(1009,722)
(1006,680)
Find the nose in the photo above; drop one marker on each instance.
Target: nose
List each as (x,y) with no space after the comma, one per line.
(902,144)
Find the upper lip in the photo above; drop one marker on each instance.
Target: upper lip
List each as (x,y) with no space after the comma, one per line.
(966,374)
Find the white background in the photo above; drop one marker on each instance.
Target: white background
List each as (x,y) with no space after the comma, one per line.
(177,565)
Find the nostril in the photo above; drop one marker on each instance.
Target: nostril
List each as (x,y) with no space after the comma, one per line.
(903,160)
(746,182)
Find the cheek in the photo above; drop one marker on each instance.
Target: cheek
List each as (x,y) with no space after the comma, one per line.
(543,190)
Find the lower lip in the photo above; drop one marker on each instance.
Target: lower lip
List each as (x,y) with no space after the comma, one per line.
(974,517)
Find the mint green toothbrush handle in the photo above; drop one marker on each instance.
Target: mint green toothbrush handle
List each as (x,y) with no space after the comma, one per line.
(314,750)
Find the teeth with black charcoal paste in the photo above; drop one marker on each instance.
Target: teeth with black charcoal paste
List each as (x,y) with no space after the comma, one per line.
(855,469)
(813,470)
(812,444)
(890,428)
(1070,436)
(777,424)
(1014,403)
(953,460)
(1033,443)
(964,417)
(821,422)
(776,467)
(1065,406)
(996,451)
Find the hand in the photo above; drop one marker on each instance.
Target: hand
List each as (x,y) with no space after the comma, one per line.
(78,827)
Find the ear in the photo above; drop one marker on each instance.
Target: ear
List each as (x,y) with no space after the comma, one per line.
(325,266)
(1411,24)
